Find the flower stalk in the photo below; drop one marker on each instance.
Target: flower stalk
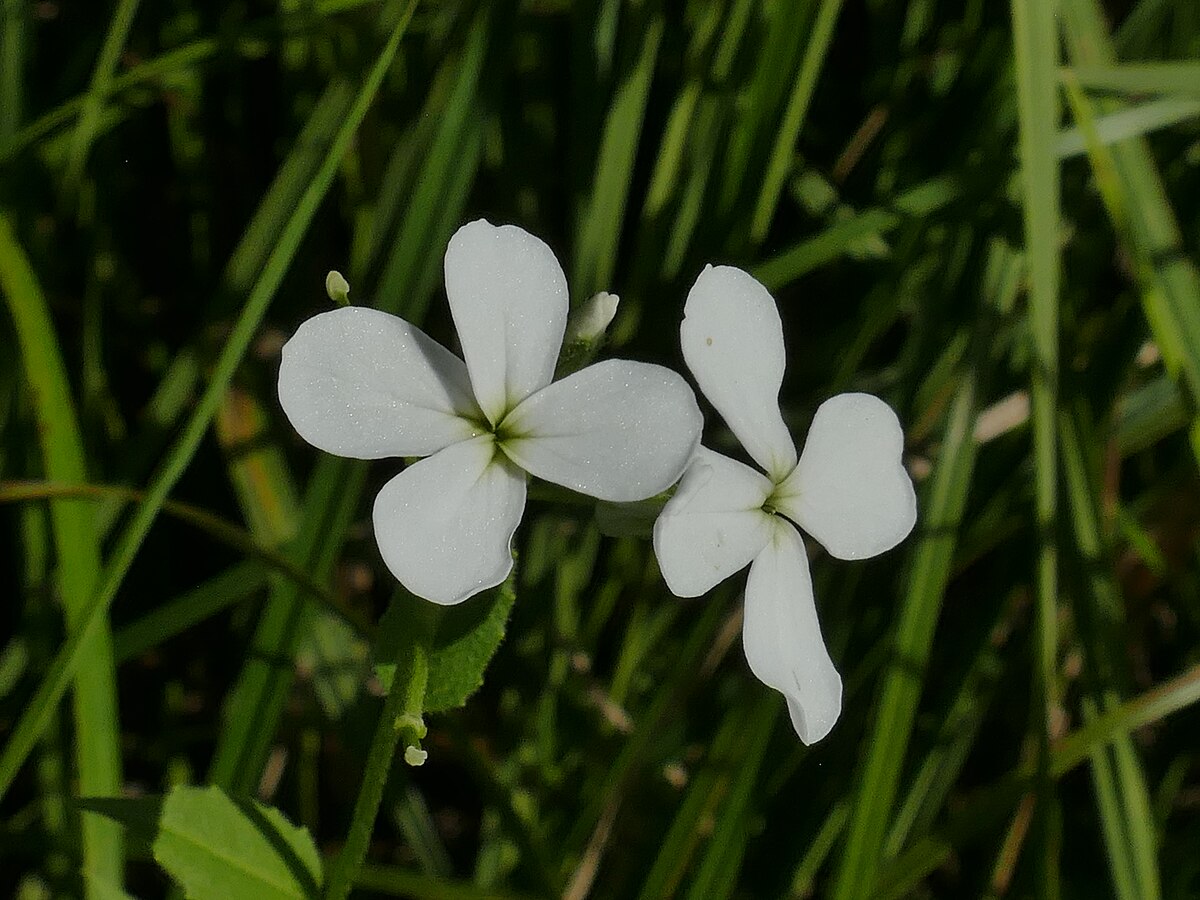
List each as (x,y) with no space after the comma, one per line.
(400,729)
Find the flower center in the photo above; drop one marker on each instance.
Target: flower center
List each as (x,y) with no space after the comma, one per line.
(779,494)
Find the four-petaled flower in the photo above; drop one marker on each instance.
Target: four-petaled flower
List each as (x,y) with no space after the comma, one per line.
(361,383)
(848,489)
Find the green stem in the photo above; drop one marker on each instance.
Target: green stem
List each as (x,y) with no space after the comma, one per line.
(400,721)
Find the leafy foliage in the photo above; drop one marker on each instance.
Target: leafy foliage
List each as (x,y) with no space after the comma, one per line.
(217,847)
(981,212)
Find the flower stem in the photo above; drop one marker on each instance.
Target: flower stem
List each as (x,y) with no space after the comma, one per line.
(400,721)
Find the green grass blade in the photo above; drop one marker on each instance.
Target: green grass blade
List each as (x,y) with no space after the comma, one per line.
(1134,122)
(12,66)
(840,238)
(235,584)
(1141,214)
(1140,78)
(602,217)
(783,151)
(1122,794)
(905,872)
(34,719)
(941,511)
(1035,44)
(716,874)
(1168,698)
(93,100)
(97,738)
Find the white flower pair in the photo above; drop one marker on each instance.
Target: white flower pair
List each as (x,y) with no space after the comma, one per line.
(361,383)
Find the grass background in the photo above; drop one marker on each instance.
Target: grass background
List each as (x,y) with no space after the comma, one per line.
(986,213)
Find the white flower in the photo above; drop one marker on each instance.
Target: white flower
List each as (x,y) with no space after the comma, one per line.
(847,489)
(361,383)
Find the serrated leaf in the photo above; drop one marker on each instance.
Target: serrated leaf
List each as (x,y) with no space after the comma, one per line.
(219,848)
(467,638)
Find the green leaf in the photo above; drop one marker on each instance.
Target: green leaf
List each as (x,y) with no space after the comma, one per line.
(218,847)
(468,636)
(1142,78)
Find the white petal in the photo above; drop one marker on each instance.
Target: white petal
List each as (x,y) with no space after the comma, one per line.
(782,637)
(508,296)
(850,490)
(445,524)
(733,343)
(713,526)
(359,382)
(617,430)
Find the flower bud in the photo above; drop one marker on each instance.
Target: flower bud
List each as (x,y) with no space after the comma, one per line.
(337,287)
(589,322)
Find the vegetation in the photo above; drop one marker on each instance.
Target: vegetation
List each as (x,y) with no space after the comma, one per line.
(987,214)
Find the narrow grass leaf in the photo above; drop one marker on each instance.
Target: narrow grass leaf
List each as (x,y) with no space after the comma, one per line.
(783,150)
(602,217)
(1140,78)
(1035,47)
(1134,122)
(97,743)
(93,100)
(941,511)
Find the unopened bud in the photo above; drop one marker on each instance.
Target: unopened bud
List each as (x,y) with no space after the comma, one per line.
(592,318)
(337,287)
(415,756)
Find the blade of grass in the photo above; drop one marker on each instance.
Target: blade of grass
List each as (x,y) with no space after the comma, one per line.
(759,105)
(1122,795)
(1035,48)
(838,239)
(216,527)
(1168,698)
(783,150)
(980,815)
(34,718)
(77,547)
(12,67)
(1134,122)
(235,584)
(941,509)
(1141,214)
(716,875)
(602,217)
(1140,78)
(93,100)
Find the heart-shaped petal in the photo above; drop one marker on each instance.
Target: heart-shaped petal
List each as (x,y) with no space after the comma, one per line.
(732,340)
(361,383)
(508,296)
(617,430)
(850,490)
(445,524)
(713,526)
